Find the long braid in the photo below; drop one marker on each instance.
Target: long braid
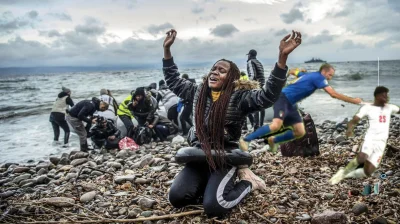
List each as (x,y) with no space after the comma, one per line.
(211,135)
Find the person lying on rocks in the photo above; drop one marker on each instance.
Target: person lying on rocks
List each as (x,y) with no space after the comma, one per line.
(221,103)
(378,115)
(285,109)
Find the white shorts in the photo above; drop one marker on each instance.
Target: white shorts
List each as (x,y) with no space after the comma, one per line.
(374,149)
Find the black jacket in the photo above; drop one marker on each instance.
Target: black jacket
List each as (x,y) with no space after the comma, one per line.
(145,111)
(255,70)
(85,109)
(100,133)
(247,98)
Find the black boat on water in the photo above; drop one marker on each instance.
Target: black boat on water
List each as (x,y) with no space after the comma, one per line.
(315,60)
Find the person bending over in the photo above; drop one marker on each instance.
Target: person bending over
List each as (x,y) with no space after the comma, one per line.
(221,103)
(378,115)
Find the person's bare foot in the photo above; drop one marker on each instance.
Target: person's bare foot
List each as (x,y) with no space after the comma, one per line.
(256,182)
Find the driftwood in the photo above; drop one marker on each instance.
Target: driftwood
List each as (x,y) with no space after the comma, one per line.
(170,216)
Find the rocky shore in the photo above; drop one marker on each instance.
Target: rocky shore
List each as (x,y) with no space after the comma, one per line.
(122,186)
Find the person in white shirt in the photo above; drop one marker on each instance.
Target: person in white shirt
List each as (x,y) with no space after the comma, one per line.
(378,115)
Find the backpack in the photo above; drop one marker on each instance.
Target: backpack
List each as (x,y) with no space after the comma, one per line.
(142,135)
(305,146)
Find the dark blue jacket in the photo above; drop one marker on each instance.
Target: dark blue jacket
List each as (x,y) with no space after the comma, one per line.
(85,109)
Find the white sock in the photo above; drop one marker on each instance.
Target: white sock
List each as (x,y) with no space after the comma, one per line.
(358,173)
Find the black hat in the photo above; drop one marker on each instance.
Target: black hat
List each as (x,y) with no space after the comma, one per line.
(252,52)
(140,92)
(161,82)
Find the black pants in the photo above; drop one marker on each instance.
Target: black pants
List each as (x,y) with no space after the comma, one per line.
(162,132)
(58,120)
(185,117)
(217,189)
(259,118)
(128,124)
(172,114)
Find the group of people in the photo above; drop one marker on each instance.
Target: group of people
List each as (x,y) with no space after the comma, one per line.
(220,106)
(101,116)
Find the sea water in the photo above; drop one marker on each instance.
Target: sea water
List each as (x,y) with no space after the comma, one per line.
(26,100)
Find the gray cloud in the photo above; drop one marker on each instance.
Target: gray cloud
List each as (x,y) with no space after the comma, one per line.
(281,32)
(91,27)
(157,29)
(349,44)
(9,23)
(197,10)
(394,5)
(342,13)
(33,14)
(320,38)
(293,15)
(250,20)
(49,33)
(61,16)
(221,9)
(224,30)
(387,42)
(208,18)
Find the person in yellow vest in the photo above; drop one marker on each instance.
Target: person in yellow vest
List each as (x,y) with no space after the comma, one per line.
(243,76)
(125,114)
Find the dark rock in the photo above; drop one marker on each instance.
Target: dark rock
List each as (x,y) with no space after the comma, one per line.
(147,213)
(42,165)
(340,139)
(122,179)
(146,203)
(7,194)
(42,179)
(21,178)
(79,161)
(134,213)
(79,155)
(42,171)
(123,211)
(96,173)
(359,208)
(380,220)
(294,196)
(21,169)
(3,181)
(64,161)
(27,181)
(328,217)
(54,160)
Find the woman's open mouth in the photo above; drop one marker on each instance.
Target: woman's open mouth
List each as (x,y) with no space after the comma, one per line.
(213,79)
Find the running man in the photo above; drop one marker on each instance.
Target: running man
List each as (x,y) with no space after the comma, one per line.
(378,115)
(285,109)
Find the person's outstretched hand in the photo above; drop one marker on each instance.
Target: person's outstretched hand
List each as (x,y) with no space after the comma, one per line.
(170,38)
(290,42)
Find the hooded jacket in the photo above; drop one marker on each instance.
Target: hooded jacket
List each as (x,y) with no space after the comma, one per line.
(255,70)
(145,110)
(85,109)
(247,98)
(60,105)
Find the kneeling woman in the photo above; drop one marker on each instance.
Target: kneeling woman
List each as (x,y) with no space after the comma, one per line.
(221,103)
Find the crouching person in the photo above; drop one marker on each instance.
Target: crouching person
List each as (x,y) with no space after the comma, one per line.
(221,103)
(104,133)
(165,128)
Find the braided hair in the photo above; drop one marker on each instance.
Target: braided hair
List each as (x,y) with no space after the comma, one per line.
(211,135)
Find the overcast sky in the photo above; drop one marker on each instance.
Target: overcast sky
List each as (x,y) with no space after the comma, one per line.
(130,32)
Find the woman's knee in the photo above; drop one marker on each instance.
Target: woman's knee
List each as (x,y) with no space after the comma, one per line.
(298,133)
(176,198)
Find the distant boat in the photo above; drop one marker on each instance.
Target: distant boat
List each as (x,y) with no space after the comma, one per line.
(315,60)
